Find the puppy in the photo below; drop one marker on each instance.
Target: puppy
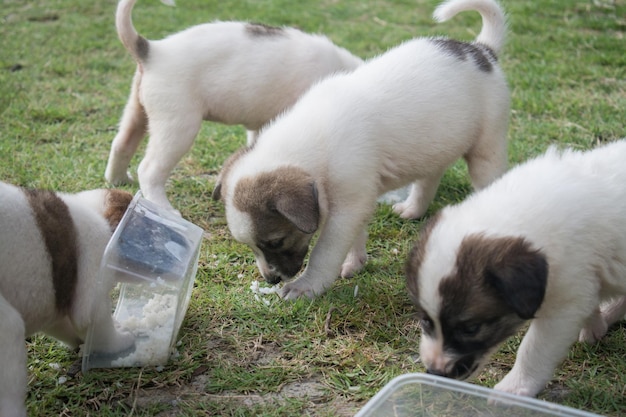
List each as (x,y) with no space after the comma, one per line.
(51,246)
(227,72)
(402,117)
(546,243)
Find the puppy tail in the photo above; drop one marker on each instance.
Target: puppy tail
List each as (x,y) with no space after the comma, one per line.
(137,45)
(494,20)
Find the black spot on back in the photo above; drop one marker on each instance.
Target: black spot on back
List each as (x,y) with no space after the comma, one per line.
(262,30)
(483,56)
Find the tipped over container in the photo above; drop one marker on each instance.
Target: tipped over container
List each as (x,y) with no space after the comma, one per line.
(151,263)
(425,395)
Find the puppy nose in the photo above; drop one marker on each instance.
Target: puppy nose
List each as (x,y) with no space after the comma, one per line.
(272,278)
(437,372)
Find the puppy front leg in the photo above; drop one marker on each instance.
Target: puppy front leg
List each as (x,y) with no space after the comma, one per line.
(335,240)
(543,348)
(13,376)
(602,318)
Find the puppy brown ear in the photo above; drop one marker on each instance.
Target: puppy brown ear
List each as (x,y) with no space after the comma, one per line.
(300,206)
(519,274)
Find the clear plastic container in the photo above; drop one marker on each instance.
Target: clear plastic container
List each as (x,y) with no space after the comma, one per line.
(151,263)
(425,395)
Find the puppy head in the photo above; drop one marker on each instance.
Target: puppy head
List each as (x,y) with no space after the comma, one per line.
(276,213)
(467,308)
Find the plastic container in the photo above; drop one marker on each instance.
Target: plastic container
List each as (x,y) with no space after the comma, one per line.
(421,395)
(153,259)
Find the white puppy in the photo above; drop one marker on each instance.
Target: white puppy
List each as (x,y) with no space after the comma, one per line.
(402,117)
(51,246)
(227,72)
(546,243)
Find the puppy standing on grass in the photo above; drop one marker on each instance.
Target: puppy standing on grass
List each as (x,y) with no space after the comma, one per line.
(546,243)
(402,117)
(227,72)
(51,246)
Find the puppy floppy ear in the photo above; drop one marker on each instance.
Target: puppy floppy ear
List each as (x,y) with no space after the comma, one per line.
(300,206)
(519,274)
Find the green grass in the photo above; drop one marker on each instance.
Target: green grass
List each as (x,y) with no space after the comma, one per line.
(64,79)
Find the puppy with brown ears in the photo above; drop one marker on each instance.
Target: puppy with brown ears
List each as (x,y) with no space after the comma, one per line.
(51,246)
(546,243)
(227,72)
(403,117)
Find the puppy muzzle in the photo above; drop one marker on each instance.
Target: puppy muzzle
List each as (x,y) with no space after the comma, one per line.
(462,368)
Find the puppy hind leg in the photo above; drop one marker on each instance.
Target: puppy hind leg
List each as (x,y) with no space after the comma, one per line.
(169,141)
(603,317)
(595,328)
(13,378)
(356,257)
(421,195)
(614,311)
(487,160)
(133,128)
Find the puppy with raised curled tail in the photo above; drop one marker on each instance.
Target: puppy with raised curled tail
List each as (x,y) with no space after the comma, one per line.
(402,117)
(227,72)
(51,246)
(545,244)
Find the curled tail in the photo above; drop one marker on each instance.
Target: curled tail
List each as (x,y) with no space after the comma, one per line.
(494,21)
(137,45)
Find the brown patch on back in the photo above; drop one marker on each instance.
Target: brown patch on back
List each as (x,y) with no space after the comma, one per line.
(262,30)
(115,205)
(59,234)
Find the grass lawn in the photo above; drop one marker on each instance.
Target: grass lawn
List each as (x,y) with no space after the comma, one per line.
(64,79)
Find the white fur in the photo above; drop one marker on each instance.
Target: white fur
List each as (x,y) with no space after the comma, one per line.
(216,72)
(569,205)
(27,301)
(402,117)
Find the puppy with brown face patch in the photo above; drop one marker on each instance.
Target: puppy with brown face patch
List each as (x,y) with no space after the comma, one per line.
(402,117)
(226,72)
(51,246)
(545,243)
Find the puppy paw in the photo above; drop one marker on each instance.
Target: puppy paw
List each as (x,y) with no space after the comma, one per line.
(352,264)
(594,330)
(512,387)
(406,210)
(119,178)
(293,291)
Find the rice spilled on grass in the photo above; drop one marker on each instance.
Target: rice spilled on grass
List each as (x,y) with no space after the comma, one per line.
(260,291)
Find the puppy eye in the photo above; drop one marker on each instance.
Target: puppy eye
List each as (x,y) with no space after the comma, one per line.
(273,244)
(471,330)
(427,324)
